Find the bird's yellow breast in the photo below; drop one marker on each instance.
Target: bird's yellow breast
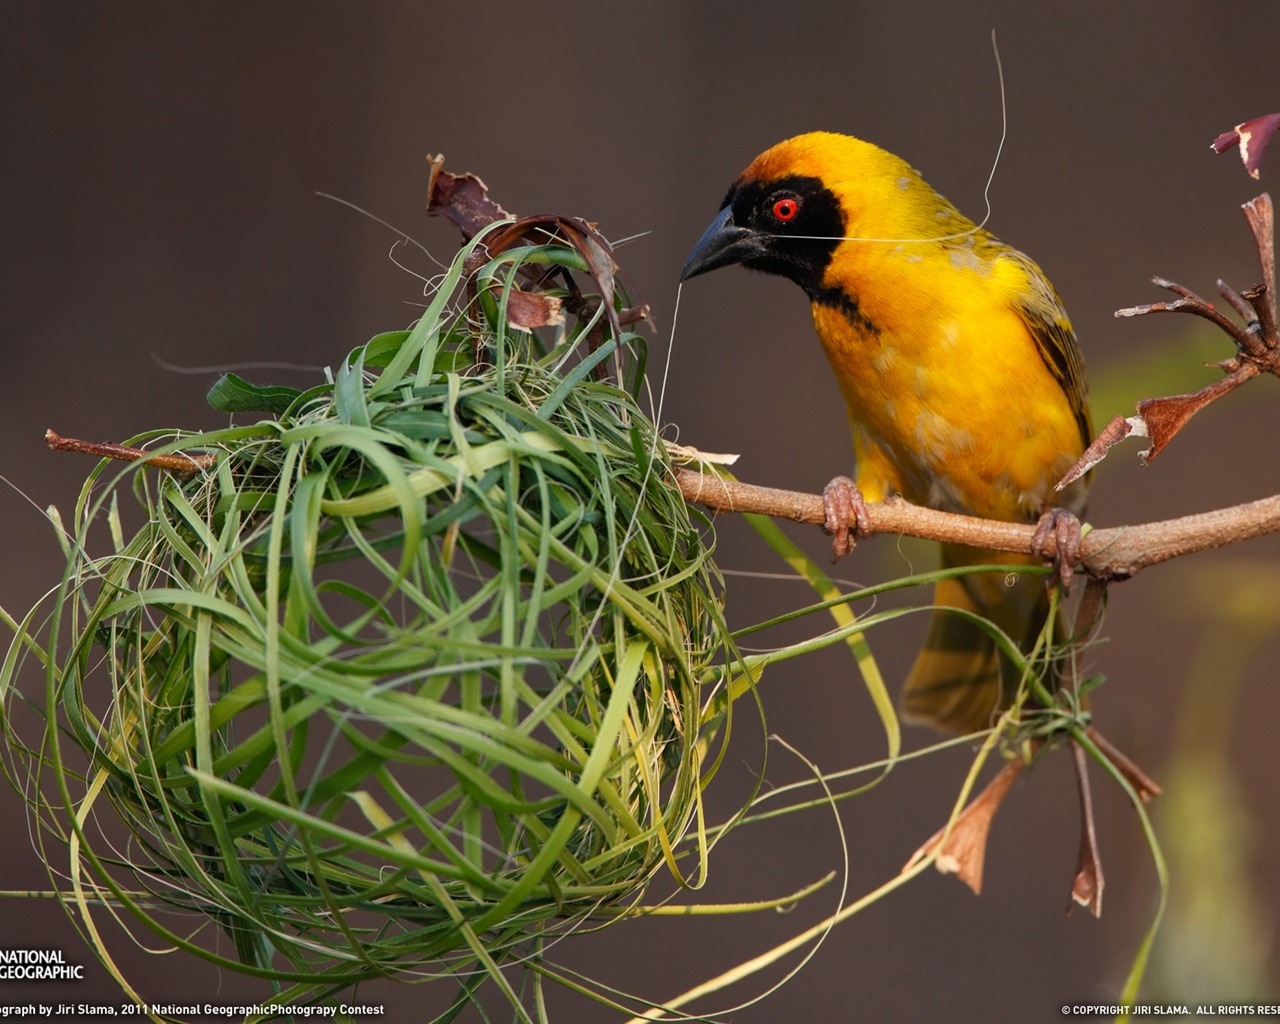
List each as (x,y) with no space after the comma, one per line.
(951,402)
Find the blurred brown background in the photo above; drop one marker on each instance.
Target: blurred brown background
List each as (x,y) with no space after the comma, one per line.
(161,217)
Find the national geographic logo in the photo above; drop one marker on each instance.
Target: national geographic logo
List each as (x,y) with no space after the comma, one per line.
(37,965)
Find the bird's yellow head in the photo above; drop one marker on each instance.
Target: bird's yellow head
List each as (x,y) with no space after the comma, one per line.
(793,208)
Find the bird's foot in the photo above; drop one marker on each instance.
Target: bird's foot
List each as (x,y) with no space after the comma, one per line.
(1064,528)
(846,515)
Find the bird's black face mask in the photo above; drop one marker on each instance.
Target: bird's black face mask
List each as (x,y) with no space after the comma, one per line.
(790,227)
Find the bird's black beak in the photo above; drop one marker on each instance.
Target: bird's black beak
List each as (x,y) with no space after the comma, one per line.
(721,244)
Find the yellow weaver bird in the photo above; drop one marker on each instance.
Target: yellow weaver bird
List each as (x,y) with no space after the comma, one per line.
(964,384)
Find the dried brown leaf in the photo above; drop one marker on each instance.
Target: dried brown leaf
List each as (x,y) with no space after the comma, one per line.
(961,849)
(527,310)
(1087,886)
(1142,783)
(1162,418)
(1252,137)
(462,198)
(1117,430)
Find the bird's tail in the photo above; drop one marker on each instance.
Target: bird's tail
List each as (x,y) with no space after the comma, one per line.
(960,680)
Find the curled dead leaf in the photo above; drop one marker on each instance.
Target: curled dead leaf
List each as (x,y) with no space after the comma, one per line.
(1087,886)
(960,848)
(461,198)
(1162,418)
(527,310)
(1252,137)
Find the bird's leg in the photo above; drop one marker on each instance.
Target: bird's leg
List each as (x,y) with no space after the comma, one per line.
(846,515)
(1064,528)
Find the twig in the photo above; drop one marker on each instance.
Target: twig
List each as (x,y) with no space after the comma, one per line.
(178,462)
(1114,553)
(1257,342)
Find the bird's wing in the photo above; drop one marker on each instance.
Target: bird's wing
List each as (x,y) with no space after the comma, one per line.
(1045,317)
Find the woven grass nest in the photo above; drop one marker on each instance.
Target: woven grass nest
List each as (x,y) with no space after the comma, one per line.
(414,670)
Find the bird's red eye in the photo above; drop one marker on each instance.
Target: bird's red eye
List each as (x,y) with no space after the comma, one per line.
(786,209)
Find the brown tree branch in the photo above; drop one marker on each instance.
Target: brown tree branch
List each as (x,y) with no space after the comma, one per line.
(1114,553)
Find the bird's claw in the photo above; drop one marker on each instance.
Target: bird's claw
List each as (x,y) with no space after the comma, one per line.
(846,514)
(1064,527)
